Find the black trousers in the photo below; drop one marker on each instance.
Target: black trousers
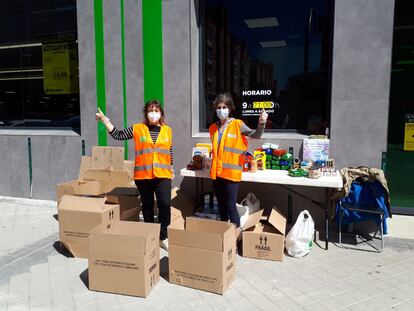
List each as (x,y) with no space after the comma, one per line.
(226,193)
(162,189)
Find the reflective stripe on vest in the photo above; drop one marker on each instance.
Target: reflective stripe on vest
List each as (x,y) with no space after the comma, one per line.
(232,166)
(143,168)
(143,151)
(234,150)
(163,166)
(162,150)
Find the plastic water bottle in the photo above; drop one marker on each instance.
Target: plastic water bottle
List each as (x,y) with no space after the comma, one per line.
(215,209)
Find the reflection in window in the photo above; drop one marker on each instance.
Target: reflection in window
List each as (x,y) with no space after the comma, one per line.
(267,54)
(39,80)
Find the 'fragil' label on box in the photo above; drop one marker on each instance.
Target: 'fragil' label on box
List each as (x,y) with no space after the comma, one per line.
(262,246)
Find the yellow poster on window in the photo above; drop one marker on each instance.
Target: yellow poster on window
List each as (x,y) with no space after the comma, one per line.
(409,136)
(60,65)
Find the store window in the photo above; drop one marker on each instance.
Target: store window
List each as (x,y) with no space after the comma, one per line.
(39,80)
(267,54)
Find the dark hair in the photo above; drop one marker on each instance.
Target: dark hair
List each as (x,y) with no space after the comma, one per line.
(153,103)
(225,98)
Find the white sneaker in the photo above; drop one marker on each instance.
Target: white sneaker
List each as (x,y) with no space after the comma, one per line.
(164,244)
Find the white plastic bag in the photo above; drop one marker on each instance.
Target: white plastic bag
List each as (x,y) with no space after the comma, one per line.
(243,211)
(252,202)
(299,240)
(247,206)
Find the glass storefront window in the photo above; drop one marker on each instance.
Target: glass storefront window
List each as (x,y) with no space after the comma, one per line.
(39,79)
(267,54)
(400,152)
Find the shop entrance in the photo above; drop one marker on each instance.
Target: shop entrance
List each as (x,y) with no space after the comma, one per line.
(400,153)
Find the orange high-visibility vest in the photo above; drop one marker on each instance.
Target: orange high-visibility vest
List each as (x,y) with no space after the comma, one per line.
(228,158)
(152,159)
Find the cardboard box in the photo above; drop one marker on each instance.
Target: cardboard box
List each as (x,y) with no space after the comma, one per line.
(177,219)
(79,187)
(78,216)
(109,179)
(86,164)
(124,258)
(107,158)
(266,239)
(129,166)
(127,198)
(202,255)
(130,215)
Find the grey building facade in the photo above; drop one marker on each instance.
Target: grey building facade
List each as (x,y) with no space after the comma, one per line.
(359,95)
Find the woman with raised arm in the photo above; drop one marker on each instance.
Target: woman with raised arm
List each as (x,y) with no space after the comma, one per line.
(153,162)
(228,136)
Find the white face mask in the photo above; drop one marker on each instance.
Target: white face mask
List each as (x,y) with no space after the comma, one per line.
(154,116)
(223,113)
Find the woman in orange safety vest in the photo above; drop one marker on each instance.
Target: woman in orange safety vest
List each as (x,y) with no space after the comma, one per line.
(153,162)
(228,136)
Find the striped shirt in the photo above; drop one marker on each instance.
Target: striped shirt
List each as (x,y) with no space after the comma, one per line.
(128,133)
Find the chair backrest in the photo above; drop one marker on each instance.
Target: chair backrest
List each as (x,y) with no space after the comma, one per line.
(369,195)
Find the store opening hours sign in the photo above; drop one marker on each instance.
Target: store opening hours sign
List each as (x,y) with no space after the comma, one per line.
(254,101)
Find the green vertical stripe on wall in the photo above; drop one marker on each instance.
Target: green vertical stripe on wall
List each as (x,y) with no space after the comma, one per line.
(124,93)
(152,47)
(100,67)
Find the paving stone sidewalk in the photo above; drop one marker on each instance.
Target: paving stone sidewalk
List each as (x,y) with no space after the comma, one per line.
(34,275)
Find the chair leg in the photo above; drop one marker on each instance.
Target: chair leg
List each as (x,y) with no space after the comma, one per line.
(382,232)
(340,223)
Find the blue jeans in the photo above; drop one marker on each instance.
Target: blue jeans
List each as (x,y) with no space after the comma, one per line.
(226,193)
(162,189)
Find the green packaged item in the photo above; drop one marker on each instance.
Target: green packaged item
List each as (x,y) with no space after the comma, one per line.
(285,168)
(295,173)
(275,163)
(275,167)
(287,157)
(298,172)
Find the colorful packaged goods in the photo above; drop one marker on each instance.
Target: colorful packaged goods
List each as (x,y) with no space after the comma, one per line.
(248,157)
(287,157)
(279,152)
(266,146)
(260,156)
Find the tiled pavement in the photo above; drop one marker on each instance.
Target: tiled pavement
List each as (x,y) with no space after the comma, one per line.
(35,276)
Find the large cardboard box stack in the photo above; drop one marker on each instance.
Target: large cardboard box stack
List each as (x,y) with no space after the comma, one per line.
(124,258)
(264,239)
(100,173)
(78,216)
(202,254)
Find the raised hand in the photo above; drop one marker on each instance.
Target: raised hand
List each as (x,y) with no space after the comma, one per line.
(99,116)
(263,116)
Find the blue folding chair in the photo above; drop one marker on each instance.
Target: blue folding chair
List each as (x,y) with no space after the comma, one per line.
(365,200)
